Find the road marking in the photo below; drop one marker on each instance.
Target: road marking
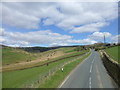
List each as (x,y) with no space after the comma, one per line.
(90,82)
(90,72)
(73,71)
(93,61)
(98,76)
(64,81)
(91,68)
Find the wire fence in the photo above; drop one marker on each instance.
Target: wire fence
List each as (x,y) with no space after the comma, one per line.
(43,76)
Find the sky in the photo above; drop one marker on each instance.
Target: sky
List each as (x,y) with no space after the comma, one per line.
(58,23)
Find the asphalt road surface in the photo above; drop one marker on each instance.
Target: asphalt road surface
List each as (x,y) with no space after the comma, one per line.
(91,73)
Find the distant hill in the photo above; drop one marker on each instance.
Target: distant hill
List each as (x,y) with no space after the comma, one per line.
(32,49)
(12,55)
(42,49)
(38,49)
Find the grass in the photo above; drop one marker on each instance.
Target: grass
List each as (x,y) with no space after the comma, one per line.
(70,50)
(55,80)
(44,61)
(10,55)
(113,52)
(28,76)
(66,49)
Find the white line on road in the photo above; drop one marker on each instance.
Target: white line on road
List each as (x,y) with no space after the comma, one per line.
(64,81)
(99,79)
(91,69)
(90,72)
(90,82)
(93,61)
(92,65)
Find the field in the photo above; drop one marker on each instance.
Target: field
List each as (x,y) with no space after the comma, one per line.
(12,55)
(35,75)
(24,59)
(22,78)
(113,53)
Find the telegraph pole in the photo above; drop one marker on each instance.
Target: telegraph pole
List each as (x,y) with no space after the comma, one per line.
(104,39)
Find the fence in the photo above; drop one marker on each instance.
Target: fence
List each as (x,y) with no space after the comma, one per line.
(36,83)
(112,67)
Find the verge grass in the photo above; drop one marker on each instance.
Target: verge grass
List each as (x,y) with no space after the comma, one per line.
(113,53)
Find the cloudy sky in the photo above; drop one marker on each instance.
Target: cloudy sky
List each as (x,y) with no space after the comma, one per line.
(58,23)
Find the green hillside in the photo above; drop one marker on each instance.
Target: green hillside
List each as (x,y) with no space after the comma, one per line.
(12,55)
(113,52)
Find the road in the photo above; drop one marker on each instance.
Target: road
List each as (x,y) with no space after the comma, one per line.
(91,73)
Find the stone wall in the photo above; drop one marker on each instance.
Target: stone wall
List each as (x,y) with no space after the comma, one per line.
(112,67)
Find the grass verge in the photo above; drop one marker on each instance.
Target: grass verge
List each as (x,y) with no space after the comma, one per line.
(113,53)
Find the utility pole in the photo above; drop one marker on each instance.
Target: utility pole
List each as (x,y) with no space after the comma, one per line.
(104,39)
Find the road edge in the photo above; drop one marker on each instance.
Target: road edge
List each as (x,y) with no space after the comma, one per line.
(74,70)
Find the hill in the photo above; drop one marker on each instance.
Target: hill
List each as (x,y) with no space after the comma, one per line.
(12,55)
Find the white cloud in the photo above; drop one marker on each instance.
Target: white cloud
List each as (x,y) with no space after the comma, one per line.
(89,27)
(45,37)
(87,14)
(2,31)
(83,41)
(14,17)
(100,35)
(73,16)
(37,37)
(116,39)
(59,44)
(61,14)
(1,39)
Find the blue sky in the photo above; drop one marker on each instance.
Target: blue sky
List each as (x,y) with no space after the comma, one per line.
(58,23)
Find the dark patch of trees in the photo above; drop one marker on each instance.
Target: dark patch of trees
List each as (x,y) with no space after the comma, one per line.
(37,49)
(42,49)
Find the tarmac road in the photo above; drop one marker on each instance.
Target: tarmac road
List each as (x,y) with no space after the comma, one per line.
(91,73)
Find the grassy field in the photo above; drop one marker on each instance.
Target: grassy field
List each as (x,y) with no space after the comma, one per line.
(12,55)
(30,65)
(31,75)
(113,52)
